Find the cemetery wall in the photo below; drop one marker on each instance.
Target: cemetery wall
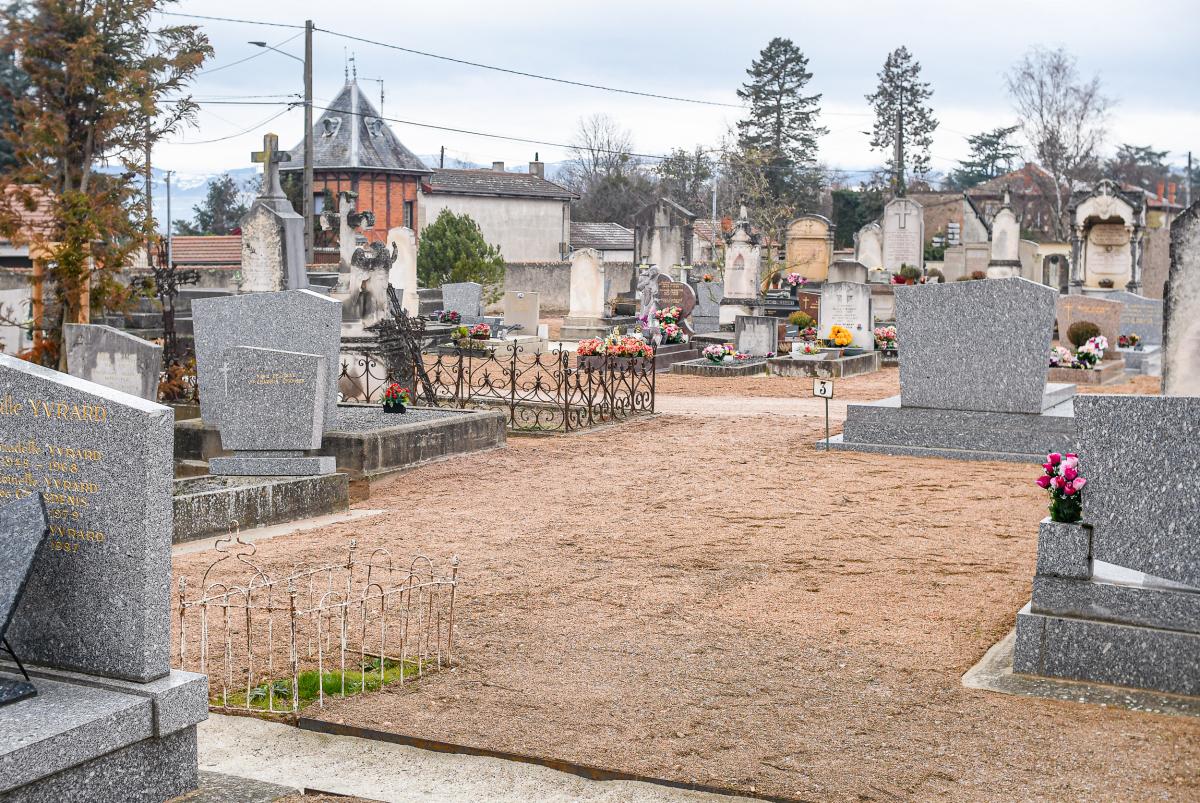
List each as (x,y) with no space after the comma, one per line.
(552,280)
(524,229)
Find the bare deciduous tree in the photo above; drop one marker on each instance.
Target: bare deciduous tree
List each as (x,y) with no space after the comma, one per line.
(611,181)
(1063,118)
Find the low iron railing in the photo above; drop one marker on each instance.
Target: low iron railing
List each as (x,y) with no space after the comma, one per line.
(542,391)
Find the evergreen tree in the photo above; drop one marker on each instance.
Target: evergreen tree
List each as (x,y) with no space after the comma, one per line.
(14,83)
(1139,165)
(781,122)
(453,250)
(992,154)
(902,113)
(221,211)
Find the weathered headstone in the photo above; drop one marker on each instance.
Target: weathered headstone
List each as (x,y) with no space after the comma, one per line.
(808,243)
(1107,231)
(113,358)
(756,335)
(274,413)
(1005,259)
(522,309)
(847,304)
(868,246)
(15,308)
(403,275)
(903,235)
(294,320)
(1140,316)
(975,345)
(23,528)
(847,270)
(429,301)
(465,298)
(587,285)
(1181,331)
(1100,311)
(272,232)
(98,598)
(707,315)
(740,280)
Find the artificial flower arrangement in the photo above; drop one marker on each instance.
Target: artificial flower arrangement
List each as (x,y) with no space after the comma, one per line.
(810,347)
(668,315)
(481,331)
(1061,357)
(449,316)
(795,279)
(808,333)
(627,346)
(671,333)
(1091,352)
(1129,341)
(395,398)
(708,277)
(885,338)
(840,336)
(1062,479)
(591,347)
(724,352)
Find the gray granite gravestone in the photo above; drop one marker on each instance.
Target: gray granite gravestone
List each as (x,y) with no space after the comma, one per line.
(975,345)
(1116,599)
(465,298)
(23,527)
(756,335)
(274,413)
(111,721)
(1140,316)
(1181,328)
(113,358)
(706,316)
(429,301)
(291,320)
(97,601)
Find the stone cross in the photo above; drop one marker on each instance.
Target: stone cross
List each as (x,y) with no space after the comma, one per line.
(270,157)
(902,216)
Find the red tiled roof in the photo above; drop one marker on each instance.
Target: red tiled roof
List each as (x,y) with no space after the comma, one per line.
(210,250)
(1029,180)
(36,223)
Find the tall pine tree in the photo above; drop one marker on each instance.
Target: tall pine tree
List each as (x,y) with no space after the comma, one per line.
(993,153)
(782,122)
(902,114)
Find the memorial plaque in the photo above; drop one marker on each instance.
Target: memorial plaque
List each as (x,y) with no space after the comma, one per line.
(678,294)
(98,598)
(275,400)
(810,304)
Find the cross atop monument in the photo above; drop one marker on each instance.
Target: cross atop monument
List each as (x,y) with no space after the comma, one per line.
(270,157)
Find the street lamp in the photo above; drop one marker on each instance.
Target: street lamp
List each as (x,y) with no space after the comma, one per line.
(308,141)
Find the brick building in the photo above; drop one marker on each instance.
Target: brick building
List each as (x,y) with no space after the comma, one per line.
(354,150)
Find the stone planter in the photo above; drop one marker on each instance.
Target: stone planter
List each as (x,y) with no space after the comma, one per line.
(1064,550)
(397,408)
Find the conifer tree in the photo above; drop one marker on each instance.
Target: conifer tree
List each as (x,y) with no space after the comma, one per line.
(904,122)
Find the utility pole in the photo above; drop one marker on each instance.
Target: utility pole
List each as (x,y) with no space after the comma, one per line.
(1187,185)
(899,178)
(308,143)
(442,159)
(170,258)
(149,200)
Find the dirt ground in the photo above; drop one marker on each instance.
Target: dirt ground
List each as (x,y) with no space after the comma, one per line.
(707,598)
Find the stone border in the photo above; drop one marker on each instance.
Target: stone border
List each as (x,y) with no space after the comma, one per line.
(994,673)
(259,502)
(706,367)
(838,445)
(856,365)
(1108,372)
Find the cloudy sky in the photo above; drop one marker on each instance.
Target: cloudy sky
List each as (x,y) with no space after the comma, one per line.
(1147,57)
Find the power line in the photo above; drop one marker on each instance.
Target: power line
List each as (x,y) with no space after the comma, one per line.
(261,52)
(238,134)
(230,19)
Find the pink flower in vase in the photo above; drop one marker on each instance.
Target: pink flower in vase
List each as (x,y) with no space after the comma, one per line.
(1043,481)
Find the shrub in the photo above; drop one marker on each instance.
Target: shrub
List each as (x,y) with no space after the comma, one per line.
(1081,332)
(934,273)
(910,273)
(978,274)
(800,319)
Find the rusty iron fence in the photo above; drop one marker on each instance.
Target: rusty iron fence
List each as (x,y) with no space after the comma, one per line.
(542,391)
(275,644)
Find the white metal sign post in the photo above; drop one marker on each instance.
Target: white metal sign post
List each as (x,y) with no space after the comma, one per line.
(824,389)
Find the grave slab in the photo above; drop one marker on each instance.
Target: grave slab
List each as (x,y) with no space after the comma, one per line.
(113,358)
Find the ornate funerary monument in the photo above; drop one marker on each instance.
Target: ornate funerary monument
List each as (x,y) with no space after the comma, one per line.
(973,370)
(272,232)
(1106,239)
(1116,598)
(93,624)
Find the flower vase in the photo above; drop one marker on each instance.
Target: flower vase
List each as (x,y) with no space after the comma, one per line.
(394,407)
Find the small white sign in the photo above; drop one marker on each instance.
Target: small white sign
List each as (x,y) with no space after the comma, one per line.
(823,388)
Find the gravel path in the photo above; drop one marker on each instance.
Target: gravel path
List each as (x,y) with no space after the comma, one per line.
(705,597)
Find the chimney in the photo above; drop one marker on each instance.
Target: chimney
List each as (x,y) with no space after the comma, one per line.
(1171,193)
(1161,189)
(498,167)
(537,169)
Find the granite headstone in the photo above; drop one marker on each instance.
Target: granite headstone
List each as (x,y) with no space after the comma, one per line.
(678,294)
(1100,311)
(274,413)
(292,320)
(979,346)
(706,316)
(113,358)
(1181,330)
(756,335)
(98,599)
(465,298)
(1140,316)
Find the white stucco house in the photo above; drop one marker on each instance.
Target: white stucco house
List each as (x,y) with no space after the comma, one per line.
(612,240)
(526,216)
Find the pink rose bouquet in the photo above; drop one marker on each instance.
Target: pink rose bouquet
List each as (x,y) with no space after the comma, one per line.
(1062,479)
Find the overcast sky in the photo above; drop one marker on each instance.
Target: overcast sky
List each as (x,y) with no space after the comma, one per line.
(1148,57)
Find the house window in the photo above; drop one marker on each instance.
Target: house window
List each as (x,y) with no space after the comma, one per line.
(318,203)
(408,214)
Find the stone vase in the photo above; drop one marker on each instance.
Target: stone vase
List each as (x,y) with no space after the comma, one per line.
(1064,550)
